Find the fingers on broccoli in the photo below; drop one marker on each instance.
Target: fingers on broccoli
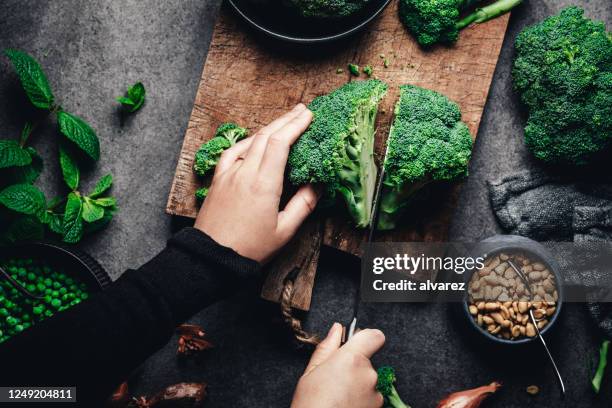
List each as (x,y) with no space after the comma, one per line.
(207,156)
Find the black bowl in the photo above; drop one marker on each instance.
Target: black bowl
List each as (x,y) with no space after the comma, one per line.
(515,243)
(73,262)
(278,21)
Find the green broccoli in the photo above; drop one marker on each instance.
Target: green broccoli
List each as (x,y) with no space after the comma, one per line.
(201,194)
(386,386)
(208,155)
(563,73)
(338,148)
(353,69)
(438,21)
(427,142)
(368,70)
(327,8)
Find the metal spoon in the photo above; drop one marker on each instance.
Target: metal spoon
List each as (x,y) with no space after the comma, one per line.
(18,286)
(535,325)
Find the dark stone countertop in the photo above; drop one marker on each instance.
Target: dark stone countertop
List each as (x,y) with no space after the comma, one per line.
(92,50)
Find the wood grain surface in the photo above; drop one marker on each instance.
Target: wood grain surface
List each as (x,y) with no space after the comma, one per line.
(251,80)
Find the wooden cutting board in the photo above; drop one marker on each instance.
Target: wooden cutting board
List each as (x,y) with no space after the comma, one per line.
(251,80)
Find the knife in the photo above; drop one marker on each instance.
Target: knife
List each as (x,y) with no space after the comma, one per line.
(350,329)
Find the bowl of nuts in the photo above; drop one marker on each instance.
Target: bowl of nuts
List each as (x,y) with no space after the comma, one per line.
(517,293)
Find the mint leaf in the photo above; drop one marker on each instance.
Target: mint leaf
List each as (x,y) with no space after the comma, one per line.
(13,155)
(135,97)
(106,202)
(101,223)
(32,78)
(103,184)
(69,169)
(25,133)
(25,174)
(25,199)
(91,211)
(77,130)
(55,222)
(27,228)
(73,221)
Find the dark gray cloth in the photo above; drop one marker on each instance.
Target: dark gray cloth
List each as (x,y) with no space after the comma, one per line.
(545,207)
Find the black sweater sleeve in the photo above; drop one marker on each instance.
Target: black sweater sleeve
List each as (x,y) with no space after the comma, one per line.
(96,344)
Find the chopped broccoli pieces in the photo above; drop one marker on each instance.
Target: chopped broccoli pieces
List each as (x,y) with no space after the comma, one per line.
(353,69)
(438,21)
(338,148)
(427,142)
(327,8)
(368,70)
(201,194)
(208,155)
(563,73)
(386,386)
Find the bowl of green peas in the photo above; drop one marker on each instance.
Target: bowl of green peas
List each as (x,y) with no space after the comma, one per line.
(38,280)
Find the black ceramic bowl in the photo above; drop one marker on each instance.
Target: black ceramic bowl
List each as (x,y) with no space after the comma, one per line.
(274,19)
(75,263)
(533,249)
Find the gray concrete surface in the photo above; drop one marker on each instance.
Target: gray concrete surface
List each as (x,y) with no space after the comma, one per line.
(92,50)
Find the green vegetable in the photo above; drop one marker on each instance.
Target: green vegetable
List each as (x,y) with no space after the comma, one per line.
(563,73)
(201,194)
(327,8)
(337,149)
(70,171)
(18,312)
(135,97)
(427,143)
(386,386)
(353,69)
(601,367)
(24,199)
(438,21)
(368,70)
(13,155)
(207,157)
(77,130)
(32,79)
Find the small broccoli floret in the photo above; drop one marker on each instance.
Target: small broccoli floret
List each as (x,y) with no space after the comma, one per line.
(201,194)
(353,69)
(386,386)
(438,21)
(327,8)
(563,72)
(427,142)
(338,148)
(207,156)
(368,70)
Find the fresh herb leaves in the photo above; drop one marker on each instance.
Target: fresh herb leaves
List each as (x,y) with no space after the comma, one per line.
(32,79)
(77,130)
(134,98)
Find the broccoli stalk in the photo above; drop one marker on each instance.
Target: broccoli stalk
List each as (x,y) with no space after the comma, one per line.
(601,367)
(427,143)
(337,150)
(437,21)
(207,156)
(386,386)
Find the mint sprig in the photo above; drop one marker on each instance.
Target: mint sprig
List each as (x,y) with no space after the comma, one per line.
(134,98)
(33,79)
(70,171)
(77,130)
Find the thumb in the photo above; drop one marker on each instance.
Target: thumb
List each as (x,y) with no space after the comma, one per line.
(326,348)
(366,342)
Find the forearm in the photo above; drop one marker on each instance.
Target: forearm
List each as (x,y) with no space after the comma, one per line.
(97,344)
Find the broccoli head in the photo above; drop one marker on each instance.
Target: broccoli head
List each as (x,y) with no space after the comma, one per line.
(327,8)
(201,194)
(386,386)
(438,21)
(563,73)
(427,142)
(208,154)
(338,148)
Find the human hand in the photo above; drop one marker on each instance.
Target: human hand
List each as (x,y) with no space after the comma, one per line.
(341,377)
(241,210)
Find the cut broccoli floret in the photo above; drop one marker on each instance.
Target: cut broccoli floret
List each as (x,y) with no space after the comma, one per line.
(327,8)
(438,21)
(207,156)
(338,148)
(427,142)
(386,386)
(201,194)
(563,72)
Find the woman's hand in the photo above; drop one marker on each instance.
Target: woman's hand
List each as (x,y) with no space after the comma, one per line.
(241,210)
(341,377)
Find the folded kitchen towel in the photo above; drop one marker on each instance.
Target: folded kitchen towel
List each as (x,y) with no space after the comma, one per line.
(550,208)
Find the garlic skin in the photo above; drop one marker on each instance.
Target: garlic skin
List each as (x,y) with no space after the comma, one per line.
(471,398)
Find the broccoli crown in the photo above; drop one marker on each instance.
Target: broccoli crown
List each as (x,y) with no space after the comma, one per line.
(328,8)
(386,386)
(338,147)
(201,193)
(207,156)
(431,21)
(563,73)
(427,142)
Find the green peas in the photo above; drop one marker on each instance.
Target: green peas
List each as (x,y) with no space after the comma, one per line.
(11,321)
(56,303)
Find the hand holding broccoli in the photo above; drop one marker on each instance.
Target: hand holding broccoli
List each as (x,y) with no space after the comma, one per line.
(341,377)
(241,210)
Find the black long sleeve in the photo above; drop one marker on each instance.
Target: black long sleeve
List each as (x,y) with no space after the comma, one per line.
(98,343)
